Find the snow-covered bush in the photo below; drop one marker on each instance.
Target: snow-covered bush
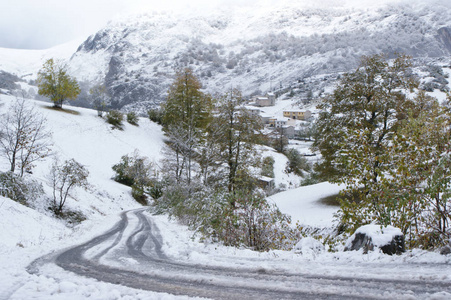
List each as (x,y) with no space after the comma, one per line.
(247,219)
(268,167)
(63,178)
(19,189)
(132,118)
(296,162)
(309,245)
(155,115)
(115,118)
(240,219)
(136,171)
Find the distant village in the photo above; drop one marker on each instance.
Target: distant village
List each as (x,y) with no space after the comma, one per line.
(293,122)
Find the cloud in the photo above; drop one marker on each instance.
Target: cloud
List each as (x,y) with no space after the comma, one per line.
(45,23)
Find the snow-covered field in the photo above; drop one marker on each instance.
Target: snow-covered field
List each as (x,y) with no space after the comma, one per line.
(27,234)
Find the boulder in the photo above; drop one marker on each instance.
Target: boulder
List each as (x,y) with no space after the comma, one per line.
(388,239)
(446,249)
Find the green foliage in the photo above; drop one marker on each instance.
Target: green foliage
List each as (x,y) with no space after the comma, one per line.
(133,169)
(123,171)
(311,178)
(155,189)
(186,104)
(251,221)
(132,118)
(268,167)
(137,172)
(155,115)
(138,194)
(186,114)
(357,121)
(236,132)
(296,162)
(54,82)
(392,152)
(235,219)
(115,118)
(19,189)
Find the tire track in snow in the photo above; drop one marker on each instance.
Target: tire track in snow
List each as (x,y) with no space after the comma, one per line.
(137,238)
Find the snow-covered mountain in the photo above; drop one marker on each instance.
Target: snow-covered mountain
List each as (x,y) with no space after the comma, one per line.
(256,48)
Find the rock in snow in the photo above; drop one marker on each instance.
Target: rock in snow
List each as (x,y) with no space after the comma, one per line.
(446,249)
(389,239)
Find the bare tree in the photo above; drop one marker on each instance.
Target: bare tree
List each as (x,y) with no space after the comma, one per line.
(238,130)
(64,178)
(23,136)
(99,98)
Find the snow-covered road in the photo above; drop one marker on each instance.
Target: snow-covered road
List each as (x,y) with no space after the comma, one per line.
(131,254)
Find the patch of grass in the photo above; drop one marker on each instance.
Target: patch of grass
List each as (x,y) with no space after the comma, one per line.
(72,217)
(115,118)
(64,110)
(332,200)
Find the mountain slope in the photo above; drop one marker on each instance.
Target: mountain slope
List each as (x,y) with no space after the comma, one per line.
(257,48)
(254,49)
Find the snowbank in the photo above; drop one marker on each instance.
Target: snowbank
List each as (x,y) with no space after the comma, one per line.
(304,204)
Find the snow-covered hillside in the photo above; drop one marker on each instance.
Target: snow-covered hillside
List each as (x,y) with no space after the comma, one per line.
(27,234)
(91,141)
(254,48)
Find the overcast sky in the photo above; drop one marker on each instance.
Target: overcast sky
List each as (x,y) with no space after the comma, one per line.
(40,24)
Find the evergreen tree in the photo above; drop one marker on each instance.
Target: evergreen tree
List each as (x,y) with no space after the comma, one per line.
(54,82)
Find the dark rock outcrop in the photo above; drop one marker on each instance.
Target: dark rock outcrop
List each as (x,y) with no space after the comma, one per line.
(444,36)
(446,249)
(368,238)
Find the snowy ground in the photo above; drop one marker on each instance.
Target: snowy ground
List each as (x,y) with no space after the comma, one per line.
(26,234)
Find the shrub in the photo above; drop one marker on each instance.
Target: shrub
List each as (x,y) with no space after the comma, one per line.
(236,219)
(296,162)
(19,189)
(115,118)
(155,190)
(156,116)
(133,169)
(63,178)
(268,167)
(137,172)
(138,194)
(123,173)
(132,118)
(72,217)
(312,178)
(251,221)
